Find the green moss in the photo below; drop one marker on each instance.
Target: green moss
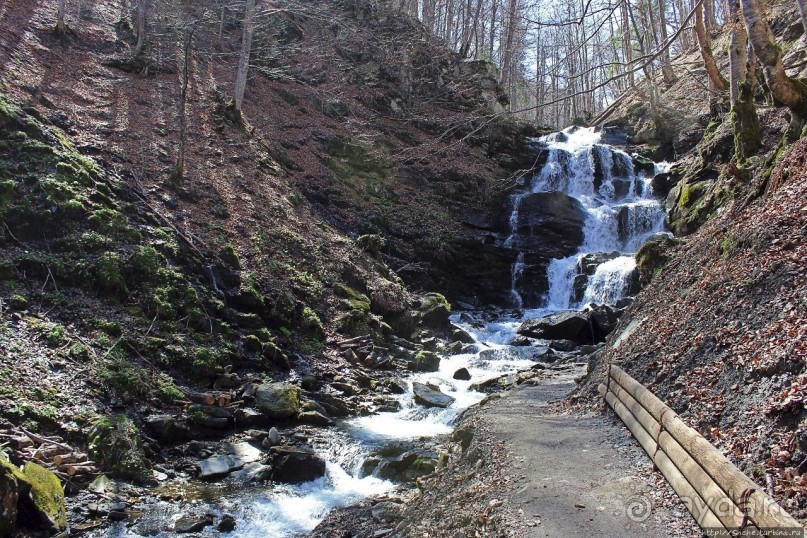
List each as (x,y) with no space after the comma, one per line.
(18,302)
(111,222)
(110,273)
(205,363)
(229,256)
(47,495)
(311,323)
(123,377)
(145,263)
(115,444)
(6,194)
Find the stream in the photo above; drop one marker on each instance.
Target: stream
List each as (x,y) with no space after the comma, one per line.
(620,214)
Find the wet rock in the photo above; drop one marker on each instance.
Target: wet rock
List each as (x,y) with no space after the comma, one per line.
(295,465)
(462,374)
(334,405)
(190,523)
(461,335)
(454,348)
(278,400)
(603,320)
(520,341)
(425,395)
(562,345)
(247,416)
(314,418)
(395,386)
(566,325)
(226,524)
(253,472)
(550,223)
(427,361)
(435,311)
(222,465)
(167,429)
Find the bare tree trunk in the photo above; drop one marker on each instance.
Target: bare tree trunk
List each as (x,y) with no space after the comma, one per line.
(744,120)
(785,90)
(626,41)
(666,67)
(243,59)
(428,13)
(61,28)
(803,10)
(140,14)
(178,175)
(705,43)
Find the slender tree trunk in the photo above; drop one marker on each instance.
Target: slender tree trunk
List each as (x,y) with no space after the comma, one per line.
(743,111)
(178,175)
(243,58)
(140,21)
(666,67)
(428,13)
(61,28)
(803,10)
(785,90)
(626,42)
(705,44)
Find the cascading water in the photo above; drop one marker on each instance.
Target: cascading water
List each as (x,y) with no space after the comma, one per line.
(621,214)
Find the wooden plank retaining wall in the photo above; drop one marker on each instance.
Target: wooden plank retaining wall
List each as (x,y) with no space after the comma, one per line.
(717,494)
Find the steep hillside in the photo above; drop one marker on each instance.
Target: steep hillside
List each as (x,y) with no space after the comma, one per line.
(719,330)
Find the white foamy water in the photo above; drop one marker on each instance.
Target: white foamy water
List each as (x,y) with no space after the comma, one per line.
(621,215)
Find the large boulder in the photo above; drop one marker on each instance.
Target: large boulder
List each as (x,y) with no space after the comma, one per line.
(427,361)
(565,325)
(295,465)
(435,310)
(237,456)
(167,429)
(549,223)
(425,395)
(278,400)
(9,496)
(32,498)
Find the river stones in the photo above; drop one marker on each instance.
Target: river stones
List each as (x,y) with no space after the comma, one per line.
(434,310)
(462,374)
(295,465)
(190,523)
(425,395)
(222,465)
(278,400)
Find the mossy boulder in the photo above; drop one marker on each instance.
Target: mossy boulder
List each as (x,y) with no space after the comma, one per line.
(278,400)
(435,310)
(47,495)
(653,256)
(9,496)
(32,498)
(115,444)
(427,361)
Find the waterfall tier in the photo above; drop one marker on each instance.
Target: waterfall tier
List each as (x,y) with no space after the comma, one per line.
(596,207)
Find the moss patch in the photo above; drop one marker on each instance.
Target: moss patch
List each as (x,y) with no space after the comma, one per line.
(115,445)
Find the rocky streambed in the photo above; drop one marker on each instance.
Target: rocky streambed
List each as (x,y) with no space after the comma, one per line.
(303,452)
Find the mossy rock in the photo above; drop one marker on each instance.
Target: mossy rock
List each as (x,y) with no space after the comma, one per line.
(278,400)
(404,324)
(435,311)
(110,274)
(652,257)
(115,444)
(32,498)
(427,361)
(47,495)
(371,243)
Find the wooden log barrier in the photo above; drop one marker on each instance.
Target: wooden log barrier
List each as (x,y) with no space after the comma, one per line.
(698,472)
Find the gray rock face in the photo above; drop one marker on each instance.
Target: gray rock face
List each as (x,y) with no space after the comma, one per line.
(550,223)
(425,395)
(167,429)
(278,400)
(568,325)
(427,361)
(295,465)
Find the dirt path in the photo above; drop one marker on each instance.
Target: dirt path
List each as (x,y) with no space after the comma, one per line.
(583,476)
(532,470)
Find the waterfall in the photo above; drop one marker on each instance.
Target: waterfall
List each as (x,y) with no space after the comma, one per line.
(620,215)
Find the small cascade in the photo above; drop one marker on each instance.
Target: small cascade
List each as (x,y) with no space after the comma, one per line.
(620,215)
